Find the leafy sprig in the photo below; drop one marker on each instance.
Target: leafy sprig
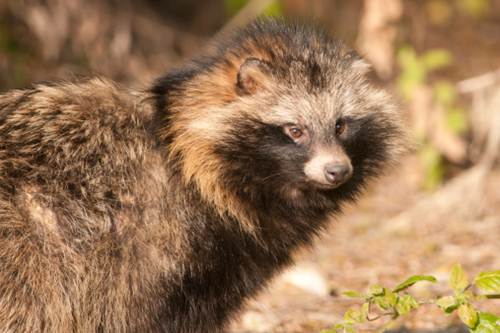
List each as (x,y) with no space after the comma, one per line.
(395,302)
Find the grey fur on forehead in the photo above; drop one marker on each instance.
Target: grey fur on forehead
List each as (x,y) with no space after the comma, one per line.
(306,37)
(300,54)
(346,96)
(288,41)
(315,78)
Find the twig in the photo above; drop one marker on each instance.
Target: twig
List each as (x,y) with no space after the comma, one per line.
(479,82)
(385,314)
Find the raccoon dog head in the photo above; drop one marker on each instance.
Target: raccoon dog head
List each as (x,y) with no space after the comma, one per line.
(280,111)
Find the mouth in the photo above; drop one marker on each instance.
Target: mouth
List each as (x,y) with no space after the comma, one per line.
(323,186)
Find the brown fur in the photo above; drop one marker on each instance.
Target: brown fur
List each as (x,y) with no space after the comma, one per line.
(160,211)
(59,270)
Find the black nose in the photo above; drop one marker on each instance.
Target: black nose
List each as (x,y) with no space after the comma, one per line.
(337,173)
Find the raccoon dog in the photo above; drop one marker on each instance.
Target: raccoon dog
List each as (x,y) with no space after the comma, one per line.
(164,210)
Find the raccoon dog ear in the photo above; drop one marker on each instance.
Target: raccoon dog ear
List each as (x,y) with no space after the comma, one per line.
(253,75)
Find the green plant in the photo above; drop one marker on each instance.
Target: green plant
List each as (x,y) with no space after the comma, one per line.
(234,6)
(474,8)
(415,69)
(415,74)
(395,302)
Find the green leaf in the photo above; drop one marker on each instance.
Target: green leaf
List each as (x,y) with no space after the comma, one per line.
(447,303)
(488,323)
(433,166)
(406,304)
(456,120)
(459,279)
(436,59)
(407,57)
(474,8)
(488,281)
(377,290)
(445,93)
(354,316)
(352,294)
(349,328)
(365,309)
(412,280)
(274,9)
(387,301)
(233,6)
(468,315)
(413,72)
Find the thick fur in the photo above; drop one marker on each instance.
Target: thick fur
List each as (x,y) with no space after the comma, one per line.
(162,211)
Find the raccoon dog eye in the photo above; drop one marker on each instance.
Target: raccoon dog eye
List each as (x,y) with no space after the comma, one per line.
(340,127)
(296,133)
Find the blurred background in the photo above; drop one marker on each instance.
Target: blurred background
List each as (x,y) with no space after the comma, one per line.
(440,58)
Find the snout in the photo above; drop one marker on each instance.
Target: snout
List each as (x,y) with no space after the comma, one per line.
(328,169)
(337,173)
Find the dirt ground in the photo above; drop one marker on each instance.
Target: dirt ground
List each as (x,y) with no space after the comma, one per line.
(370,245)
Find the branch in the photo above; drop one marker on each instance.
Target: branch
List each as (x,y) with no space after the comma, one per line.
(479,82)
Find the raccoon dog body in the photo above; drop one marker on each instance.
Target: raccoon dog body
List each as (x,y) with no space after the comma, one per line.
(162,211)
